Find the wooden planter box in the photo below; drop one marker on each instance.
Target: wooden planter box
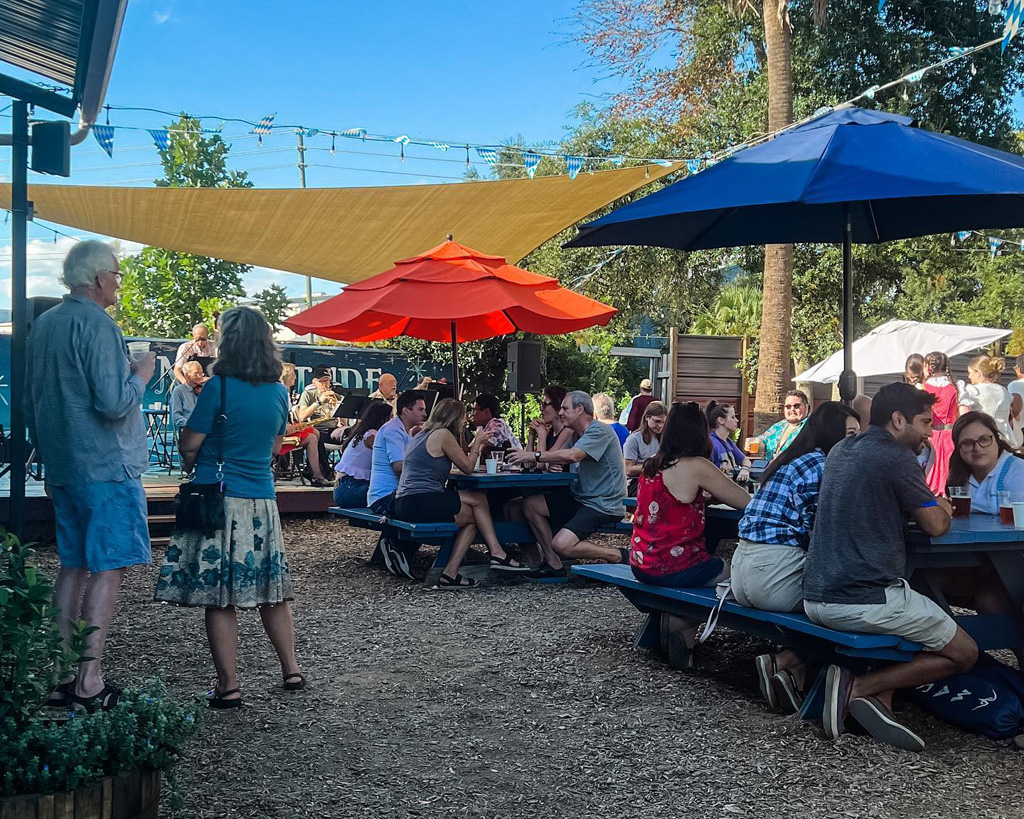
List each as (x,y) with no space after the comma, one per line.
(133,796)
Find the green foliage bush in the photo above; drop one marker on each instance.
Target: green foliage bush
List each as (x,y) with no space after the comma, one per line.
(42,754)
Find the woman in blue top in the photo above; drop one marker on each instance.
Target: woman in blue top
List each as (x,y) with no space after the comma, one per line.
(243,565)
(725,454)
(768,564)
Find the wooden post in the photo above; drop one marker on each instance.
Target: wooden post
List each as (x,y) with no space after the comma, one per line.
(744,393)
(673,357)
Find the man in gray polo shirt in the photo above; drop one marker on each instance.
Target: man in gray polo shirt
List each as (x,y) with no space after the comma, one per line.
(853,576)
(593,501)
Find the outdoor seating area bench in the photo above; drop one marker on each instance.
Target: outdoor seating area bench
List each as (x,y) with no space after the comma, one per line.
(814,642)
(442,535)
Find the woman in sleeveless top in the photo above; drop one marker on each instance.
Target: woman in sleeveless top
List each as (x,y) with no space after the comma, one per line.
(357,455)
(944,413)
(985,393)
(423,496)
(668,546)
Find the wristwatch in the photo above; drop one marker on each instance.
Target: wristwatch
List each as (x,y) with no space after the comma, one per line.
(536,457)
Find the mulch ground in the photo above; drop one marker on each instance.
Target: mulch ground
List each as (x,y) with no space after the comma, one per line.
(515,700)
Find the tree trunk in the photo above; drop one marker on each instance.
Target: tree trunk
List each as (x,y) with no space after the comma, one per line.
(773,376)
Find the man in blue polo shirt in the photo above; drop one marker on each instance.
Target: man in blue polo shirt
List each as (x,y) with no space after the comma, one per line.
(853,577)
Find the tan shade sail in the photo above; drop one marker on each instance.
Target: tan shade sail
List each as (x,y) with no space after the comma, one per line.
(341,234)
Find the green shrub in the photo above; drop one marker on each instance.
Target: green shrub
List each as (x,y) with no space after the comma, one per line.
(43,755)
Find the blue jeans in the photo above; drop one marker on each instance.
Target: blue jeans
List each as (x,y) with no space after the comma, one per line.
(101,526)
(350,493)
(700,576)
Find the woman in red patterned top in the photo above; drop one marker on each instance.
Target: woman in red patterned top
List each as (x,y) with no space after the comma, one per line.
(944,414)
(668,547)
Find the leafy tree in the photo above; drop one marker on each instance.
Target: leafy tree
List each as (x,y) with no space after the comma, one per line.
(163,292)
(736,311)
(273,302)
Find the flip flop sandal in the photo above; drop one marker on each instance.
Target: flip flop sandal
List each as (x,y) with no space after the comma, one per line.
(507,564)
(294,682)
(216,699)
(458,582)
(103,701)
(60,697)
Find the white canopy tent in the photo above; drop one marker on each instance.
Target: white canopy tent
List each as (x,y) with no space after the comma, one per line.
(884,351)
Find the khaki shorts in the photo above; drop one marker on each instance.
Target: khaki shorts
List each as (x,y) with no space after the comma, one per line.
(904,613)
(768,576)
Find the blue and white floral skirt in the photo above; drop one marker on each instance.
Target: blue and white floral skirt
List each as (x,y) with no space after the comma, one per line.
(243,565)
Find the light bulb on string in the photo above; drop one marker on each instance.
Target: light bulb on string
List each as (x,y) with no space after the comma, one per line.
(974,69)
(332,144)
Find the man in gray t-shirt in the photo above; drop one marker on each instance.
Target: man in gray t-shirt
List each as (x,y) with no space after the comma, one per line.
(595,500)
(853,577)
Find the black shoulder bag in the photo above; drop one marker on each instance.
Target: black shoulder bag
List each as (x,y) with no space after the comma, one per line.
(199,507)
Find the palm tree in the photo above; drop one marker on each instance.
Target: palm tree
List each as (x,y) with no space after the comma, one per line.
(736,311)
(777,307)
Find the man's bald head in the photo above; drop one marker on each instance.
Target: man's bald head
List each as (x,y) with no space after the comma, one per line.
(200,333)
(193,373)
(388,385)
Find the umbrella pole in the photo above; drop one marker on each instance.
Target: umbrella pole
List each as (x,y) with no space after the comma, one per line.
(848,380)
(455,364)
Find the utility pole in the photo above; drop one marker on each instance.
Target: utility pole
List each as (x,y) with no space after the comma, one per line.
(302,182)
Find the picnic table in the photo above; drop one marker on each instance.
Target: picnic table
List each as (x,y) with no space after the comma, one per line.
(974,541)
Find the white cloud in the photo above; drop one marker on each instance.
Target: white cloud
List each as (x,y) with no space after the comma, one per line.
(161,17)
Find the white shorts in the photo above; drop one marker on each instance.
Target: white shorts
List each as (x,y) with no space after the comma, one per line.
(905,613)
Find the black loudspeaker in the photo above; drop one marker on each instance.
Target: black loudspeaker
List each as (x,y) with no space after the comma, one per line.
(524,366)
(37,305)
(51,148)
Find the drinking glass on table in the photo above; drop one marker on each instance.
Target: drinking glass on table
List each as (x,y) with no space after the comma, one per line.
(960,498)
(1006,501)
(753,447)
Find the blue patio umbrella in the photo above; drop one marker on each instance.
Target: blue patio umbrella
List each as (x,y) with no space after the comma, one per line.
(851,175)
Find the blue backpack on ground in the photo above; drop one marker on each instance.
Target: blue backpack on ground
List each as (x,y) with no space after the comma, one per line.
(987,700)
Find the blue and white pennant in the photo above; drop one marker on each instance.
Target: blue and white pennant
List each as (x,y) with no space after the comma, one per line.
(161,137)
(530,161)
(104,135)
(1014,17)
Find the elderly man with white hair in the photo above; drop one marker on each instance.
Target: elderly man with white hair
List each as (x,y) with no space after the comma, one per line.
(198,348)
(83,413)
(562,521)
(184,396)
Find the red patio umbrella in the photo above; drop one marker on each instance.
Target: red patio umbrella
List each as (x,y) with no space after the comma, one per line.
(451,293)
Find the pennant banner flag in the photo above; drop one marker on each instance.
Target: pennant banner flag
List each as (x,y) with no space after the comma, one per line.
(962,234)
(530,161)
(105,137)
(488,155)
(401,140)
(307,132)
(993,245)
(441,146)
(665,163)
(870,92)
(573,164)
(161,138)
(618,159)
(1014,15)
(693,165)
(264,125)
(958,51)
(915,76)
(354,133)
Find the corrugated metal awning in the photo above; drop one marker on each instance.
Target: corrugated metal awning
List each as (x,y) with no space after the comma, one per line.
(43,36)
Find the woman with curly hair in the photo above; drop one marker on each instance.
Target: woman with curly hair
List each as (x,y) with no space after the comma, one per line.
(242,565)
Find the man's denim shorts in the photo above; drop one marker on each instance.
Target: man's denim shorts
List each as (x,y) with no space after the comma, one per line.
(101,526)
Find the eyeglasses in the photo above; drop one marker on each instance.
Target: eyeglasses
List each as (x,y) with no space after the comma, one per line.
(115,273)
(982,442)
(794,406)
(547,403)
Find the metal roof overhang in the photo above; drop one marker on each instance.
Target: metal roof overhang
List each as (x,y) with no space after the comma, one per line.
(69,42)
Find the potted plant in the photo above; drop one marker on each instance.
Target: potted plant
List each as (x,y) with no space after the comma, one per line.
(105,764)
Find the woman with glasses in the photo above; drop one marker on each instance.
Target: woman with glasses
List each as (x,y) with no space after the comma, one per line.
(982,459)
(549,433)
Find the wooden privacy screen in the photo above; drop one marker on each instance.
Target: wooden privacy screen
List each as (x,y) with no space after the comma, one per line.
(706,369)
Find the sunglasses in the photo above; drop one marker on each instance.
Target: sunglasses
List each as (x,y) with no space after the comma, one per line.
(982,442)
(547,403)
(793,406)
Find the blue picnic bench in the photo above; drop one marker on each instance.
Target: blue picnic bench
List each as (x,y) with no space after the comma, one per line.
(814,642)
(442,535)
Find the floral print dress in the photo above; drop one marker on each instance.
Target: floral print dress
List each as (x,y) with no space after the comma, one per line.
(668,535)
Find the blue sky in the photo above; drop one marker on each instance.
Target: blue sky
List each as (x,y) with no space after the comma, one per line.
(453,71)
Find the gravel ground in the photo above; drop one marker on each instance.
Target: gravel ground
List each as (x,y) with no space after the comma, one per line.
(515,700)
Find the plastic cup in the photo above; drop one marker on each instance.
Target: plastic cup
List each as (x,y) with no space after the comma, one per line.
(1006,501)
(492,466)
(1018,515)
(138,349)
